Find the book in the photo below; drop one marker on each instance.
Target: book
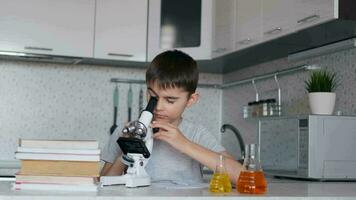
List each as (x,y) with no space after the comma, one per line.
(59,144)
(21,178)
(56,156)
(59,168)
(56,150)
(54,187)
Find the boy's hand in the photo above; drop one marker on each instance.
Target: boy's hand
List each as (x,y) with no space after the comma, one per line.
(170,134)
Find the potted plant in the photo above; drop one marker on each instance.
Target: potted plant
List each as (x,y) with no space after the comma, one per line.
(321,86)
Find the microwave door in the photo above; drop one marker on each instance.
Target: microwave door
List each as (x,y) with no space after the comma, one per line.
(279,146)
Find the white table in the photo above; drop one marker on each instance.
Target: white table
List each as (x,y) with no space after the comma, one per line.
(277,189)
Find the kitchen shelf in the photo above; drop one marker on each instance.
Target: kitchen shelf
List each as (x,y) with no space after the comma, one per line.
(261,111)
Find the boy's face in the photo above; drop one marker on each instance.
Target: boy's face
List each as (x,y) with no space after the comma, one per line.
(171,102)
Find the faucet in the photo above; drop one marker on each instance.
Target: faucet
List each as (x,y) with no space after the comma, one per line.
(238,136)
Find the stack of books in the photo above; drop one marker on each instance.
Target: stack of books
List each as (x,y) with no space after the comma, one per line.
(65,165)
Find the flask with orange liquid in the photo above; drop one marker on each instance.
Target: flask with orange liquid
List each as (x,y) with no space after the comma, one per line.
(220,182)
(252,179)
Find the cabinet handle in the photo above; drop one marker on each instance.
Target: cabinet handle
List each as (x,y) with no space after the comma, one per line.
(38,48)
(245,41)
(222,50)
(120,54)
(308,19)
(273,31)
(219,50)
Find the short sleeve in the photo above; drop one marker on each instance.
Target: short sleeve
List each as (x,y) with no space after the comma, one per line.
(208,140)
(111,149)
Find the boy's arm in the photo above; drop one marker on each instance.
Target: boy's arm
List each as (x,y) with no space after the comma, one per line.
(210,159)
(172,135)
(113,169)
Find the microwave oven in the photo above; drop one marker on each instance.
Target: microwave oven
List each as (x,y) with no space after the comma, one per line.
(310,147)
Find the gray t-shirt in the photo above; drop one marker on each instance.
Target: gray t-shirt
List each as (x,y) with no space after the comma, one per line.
(167,163)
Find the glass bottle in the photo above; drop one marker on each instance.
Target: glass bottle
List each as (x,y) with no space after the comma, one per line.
(254,108)
(220,182)
(252,179)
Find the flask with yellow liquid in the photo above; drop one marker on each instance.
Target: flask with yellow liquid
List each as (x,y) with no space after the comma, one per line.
(220,182)
(252,179)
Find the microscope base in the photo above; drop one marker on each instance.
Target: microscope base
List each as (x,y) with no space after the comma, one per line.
(127,180)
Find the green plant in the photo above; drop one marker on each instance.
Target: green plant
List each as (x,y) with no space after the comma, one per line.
(321,81)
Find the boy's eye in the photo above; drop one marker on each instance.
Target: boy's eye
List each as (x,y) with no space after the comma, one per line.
(170,101)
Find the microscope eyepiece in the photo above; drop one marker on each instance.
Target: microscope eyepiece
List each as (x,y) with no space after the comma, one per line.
(151,104)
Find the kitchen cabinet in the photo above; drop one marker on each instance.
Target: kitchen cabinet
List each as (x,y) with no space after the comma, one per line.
(223,30)
(248,23)
(121,29)
(138,30)
(277,18)
(201,28)
(259,21)
(47,27)
(312,12)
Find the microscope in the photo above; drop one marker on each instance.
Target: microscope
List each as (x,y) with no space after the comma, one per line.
(136,144)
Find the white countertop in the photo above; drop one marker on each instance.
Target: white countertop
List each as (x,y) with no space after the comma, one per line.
(277,189)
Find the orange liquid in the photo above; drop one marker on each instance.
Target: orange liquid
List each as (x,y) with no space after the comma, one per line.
(220,183)
(252,182)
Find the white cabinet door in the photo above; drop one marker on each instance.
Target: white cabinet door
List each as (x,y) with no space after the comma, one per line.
(184,25)
(312,12)
(62,27)
(223,21)
(277,17)
(121,29)
(248,23)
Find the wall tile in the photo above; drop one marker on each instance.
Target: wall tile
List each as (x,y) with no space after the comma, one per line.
(55,101)
(294,96)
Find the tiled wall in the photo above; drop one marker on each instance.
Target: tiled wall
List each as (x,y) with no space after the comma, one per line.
(55,101)
(39,100)
(294,96)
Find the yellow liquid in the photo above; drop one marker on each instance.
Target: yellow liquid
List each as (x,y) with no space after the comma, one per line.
(220,183)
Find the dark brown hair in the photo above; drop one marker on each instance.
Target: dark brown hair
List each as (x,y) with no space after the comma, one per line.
(172,69)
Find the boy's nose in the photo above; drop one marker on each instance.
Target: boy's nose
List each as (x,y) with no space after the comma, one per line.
(159,105)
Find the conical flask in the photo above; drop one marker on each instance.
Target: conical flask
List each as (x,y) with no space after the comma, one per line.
(252,179)
(220,182)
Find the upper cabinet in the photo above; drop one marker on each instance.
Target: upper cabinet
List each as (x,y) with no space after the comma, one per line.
(184,24)
(138,30)
(311,12)
(223,27)
(121,29)
(248,23)
(201,28)
(277,18)
(47,27)
(259,21)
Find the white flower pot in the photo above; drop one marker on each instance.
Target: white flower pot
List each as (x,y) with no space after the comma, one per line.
(322,103)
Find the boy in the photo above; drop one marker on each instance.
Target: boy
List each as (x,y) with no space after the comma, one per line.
(180,147)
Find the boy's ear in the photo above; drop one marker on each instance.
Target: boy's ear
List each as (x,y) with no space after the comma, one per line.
(193,99)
